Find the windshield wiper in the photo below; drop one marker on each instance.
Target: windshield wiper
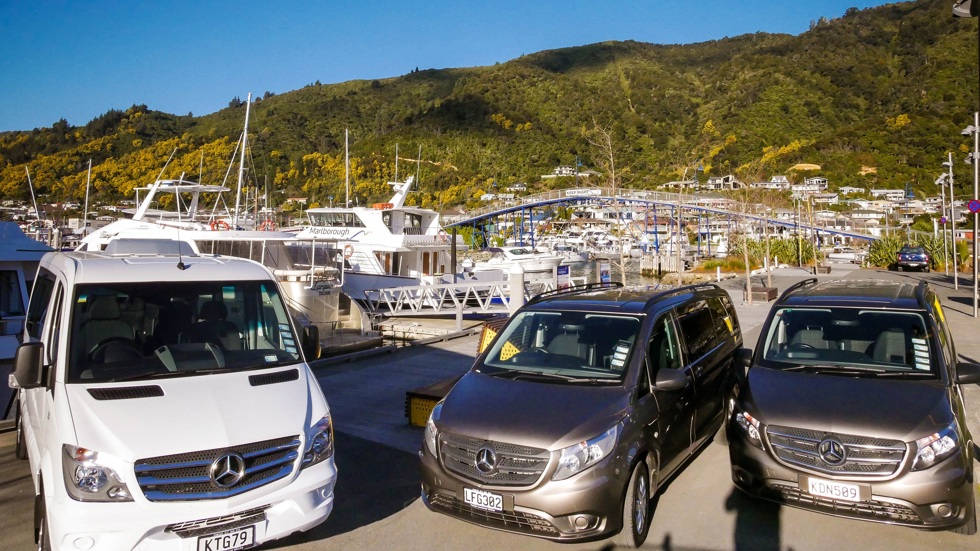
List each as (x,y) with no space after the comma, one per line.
(522,373)
(170,374)
(837,369)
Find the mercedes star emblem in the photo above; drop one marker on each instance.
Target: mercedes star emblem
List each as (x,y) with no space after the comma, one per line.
(228,470)
(832,451)
(486,460)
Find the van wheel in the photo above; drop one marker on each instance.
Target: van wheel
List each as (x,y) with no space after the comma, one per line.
(970,528)
(41,535)
(636,509)
(20,448)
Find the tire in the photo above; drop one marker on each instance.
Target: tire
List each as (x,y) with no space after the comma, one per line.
(41,535)
(636,509)
(20,448)
(970,528)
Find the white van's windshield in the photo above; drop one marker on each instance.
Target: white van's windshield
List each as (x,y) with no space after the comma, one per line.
(131,331)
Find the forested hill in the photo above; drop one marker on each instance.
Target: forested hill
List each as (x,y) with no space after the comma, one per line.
(876,98)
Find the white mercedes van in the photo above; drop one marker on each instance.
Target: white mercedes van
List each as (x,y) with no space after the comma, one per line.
(164,403)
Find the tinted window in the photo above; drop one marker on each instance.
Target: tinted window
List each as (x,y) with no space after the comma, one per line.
(40,298)
(698,328)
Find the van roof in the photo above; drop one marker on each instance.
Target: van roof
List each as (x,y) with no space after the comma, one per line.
(98,267)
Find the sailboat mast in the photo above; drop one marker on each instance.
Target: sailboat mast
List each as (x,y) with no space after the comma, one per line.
(88,181)
(396,163)
(241,160)
(30,185)
(346,169)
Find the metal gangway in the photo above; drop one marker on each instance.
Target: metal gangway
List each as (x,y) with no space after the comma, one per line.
(474,297)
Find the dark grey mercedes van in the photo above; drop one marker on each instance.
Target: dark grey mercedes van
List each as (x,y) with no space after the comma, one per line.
(584,404)
(851,406)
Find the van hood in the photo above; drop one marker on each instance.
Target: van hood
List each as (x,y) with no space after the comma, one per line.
(537,414)
(199,412)
(898,409)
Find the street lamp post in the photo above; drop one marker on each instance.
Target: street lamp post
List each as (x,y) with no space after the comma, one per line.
(941,182)
(952,220)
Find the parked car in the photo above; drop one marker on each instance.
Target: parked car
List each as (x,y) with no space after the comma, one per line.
(165,403)
(912,258)
(584,404)
(851,406)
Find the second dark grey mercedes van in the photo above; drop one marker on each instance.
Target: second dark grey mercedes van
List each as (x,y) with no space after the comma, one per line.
(584,404)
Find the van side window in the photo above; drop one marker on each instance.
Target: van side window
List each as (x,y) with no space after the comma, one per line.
(725,322)
(698,328)
(38,308)
(663,350)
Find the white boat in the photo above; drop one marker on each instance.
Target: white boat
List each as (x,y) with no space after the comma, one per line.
(843,253)
(505,258)
(308,269)
(19,258)
(388,245)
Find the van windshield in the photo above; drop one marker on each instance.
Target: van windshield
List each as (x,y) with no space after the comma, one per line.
(132,331)
(848,340)
(564,346)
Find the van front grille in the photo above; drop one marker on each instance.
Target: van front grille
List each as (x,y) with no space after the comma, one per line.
(213,525)
(863,456)
(867,510)
(188,476)
(514,465)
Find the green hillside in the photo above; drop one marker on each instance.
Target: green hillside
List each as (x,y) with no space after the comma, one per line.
(885,88)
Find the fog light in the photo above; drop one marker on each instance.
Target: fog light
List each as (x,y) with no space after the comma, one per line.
(944,510)
(584,522)
(84,542)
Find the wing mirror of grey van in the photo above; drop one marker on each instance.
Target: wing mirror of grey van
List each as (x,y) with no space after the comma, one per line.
(311,342)
(967,373)
(28,366)
(670,379)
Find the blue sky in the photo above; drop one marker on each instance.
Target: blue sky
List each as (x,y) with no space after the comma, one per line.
(77,59)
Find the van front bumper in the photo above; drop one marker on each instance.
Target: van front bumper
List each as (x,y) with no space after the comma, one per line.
(584,507)
(938,498)
(298,506)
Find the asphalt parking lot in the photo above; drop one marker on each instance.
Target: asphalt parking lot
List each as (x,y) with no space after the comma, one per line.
(377,505)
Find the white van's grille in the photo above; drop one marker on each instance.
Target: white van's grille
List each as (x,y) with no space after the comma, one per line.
(217,473)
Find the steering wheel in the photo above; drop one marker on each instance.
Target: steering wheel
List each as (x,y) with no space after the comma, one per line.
(801,345)
(121,349)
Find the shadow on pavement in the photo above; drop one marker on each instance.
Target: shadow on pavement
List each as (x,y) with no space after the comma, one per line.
(756,522)
(374,481)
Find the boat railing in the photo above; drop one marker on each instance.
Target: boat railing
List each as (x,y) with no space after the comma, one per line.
(483,296)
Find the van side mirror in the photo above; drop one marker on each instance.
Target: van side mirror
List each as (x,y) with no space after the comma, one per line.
(670,379)
(967,373)
(743,361)
(311,342)
(28,365)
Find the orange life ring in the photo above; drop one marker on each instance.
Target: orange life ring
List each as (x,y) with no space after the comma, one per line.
(218,225)
(443,236)
(348,251)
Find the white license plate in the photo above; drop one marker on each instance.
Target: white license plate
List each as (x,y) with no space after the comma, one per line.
(833,490)
(239,538)
(483,500)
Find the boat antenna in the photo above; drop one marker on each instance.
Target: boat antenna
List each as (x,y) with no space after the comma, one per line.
(396,163)
(180,255)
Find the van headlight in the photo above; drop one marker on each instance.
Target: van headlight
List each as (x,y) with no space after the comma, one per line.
(319,442)
(87,479)
(431,432)
(578,457)
(751,426)
(932,449)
